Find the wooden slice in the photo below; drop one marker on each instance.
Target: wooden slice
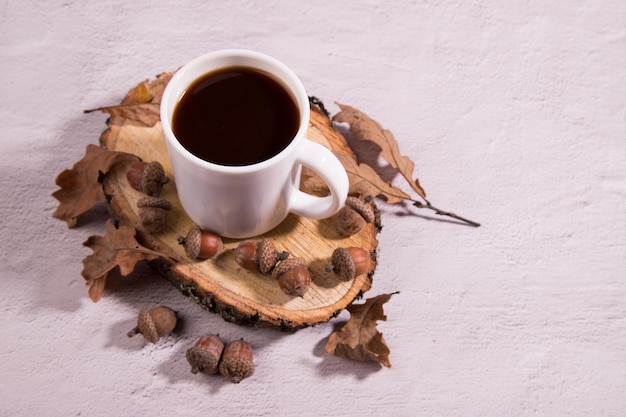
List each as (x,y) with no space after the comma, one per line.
(220,284)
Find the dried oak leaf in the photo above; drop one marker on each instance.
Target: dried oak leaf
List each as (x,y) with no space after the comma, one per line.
(142,103)
(365,181)
(117,248)
(80,186)
(365,128)
(359,339)
(140,94)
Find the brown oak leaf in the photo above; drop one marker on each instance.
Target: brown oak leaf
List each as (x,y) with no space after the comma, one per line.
(139,94)
(362,178)
(365,181)
(154,86)
(365,128)
(359,339)
(141,103)
(117,248)
(80,186)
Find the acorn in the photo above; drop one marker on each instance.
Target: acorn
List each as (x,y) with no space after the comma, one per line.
(348,263)
(245,255)
(237,361)
(201,244)
(293,276)
(205,355)
(154,323)
(258,256)
(354,215)
(153,213)
(148,177)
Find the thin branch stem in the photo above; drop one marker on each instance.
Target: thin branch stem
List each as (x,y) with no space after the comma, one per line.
(440,212)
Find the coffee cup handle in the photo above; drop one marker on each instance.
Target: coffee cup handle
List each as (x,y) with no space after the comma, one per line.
(321,160)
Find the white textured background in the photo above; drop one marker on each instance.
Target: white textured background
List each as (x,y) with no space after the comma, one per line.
(515,114)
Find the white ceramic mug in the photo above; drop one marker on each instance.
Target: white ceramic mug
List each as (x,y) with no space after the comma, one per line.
(246,201)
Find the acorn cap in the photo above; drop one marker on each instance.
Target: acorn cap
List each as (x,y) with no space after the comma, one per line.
(193,241)
(363,208)
(147,327)
(237,361)
(266,255)
(205,355)
(342,264)
(287,265)
(153,178)
(156,202)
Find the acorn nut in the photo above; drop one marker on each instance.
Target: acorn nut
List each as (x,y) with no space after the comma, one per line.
(205,355)
(293,276)
(153,213)
(148,177)
(154,323)
(354,215)
(245,255)
(348,263)
(201,244)
(237,361)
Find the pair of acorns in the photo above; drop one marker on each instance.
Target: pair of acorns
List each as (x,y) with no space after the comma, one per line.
(292,274)
(209,355)
(149,178)
(355,214)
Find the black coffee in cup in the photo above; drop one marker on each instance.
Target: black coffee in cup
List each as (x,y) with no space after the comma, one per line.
(235,116)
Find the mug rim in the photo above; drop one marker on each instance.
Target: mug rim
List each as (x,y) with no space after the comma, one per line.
(209,62)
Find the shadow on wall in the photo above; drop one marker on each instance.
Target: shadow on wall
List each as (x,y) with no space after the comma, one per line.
(45,254)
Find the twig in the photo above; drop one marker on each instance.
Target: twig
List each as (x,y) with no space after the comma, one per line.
(316,102)
(440,212)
